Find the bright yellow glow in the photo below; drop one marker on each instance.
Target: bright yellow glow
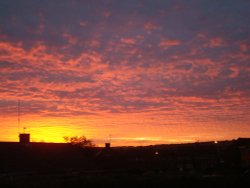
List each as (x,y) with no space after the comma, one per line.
(125,129)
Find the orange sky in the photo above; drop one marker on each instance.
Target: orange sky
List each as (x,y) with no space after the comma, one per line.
(138,72)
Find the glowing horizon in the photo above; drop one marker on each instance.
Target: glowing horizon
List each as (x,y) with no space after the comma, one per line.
(145,72)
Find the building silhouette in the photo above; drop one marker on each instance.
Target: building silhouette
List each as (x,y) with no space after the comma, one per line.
(24,138)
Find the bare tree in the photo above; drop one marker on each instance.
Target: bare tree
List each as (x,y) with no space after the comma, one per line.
(80,141)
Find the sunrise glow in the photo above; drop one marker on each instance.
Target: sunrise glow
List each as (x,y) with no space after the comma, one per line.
(129,72)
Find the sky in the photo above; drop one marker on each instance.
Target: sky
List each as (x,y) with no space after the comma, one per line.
(133,72)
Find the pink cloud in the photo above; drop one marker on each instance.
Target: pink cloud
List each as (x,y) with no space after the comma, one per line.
(129,41)
(71,39)
(83,23)
(149,27)
(216,42)
(94,43)
(106,14)
(235,72)
(244,47)
(165,43)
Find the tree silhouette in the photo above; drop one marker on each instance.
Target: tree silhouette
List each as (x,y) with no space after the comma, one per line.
(80,141)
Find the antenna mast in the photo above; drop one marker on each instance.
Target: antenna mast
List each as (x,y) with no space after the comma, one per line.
(18,107)
(110,138)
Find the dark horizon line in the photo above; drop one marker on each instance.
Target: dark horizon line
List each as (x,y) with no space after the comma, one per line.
(183,143)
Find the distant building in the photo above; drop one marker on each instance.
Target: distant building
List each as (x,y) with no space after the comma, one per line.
(24,138)
(107,145)
(243,145)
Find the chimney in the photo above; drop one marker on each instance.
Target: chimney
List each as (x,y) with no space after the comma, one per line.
(24,138)
(107,145)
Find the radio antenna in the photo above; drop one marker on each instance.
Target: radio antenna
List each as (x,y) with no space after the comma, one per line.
(18,113)
(110,135)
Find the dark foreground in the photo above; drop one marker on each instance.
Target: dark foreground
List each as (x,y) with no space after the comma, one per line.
(223,164)
(148,179)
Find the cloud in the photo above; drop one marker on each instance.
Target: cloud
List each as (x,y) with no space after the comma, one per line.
(216,42)
(129,41)
(128,62)
(72,40)
(165,43)
(83,23)
(149,27)
(244,47)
